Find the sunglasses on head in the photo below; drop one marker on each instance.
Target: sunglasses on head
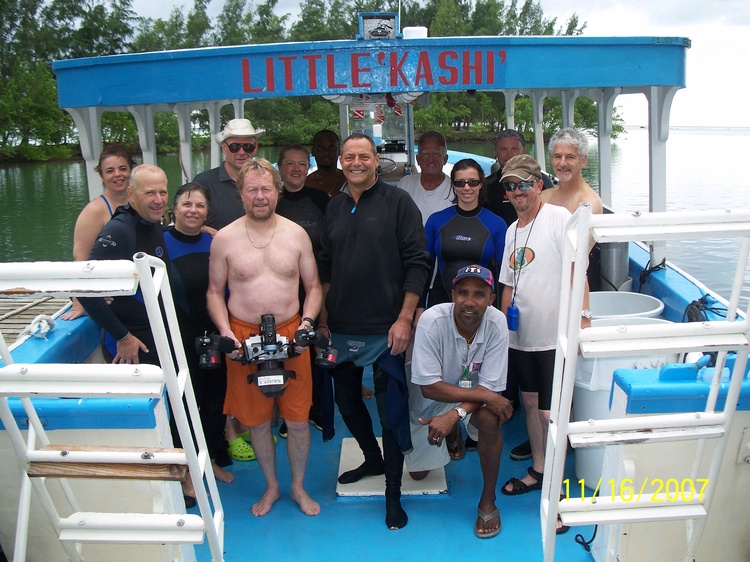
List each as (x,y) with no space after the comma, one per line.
(521,185)
(472,183)
(234,147)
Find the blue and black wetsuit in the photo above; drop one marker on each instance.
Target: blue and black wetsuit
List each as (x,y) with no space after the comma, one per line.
(457,238)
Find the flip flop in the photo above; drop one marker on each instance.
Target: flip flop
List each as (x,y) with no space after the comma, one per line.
(519,487)
(240,451)
(485,517)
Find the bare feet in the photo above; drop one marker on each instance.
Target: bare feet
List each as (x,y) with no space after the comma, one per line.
(264,504)
(308,505)
(221,474)
(187,487)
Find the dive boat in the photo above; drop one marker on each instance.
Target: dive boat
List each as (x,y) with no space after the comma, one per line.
(673,481)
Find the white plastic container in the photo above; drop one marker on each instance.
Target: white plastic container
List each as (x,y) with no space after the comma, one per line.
(622,304)
(594,386)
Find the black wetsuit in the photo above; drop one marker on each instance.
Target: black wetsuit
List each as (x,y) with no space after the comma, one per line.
(123,236)
(189,281)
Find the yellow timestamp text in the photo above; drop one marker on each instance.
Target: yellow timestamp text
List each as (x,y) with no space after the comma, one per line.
(657,490)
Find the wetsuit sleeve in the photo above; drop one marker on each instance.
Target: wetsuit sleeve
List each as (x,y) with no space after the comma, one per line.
(113,243)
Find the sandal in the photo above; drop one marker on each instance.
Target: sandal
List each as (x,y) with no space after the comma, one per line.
(520,487)
(240,451)
(456,447)
(562,529)
(485,517)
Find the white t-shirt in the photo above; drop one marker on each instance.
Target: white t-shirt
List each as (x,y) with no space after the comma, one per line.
(537,248)
(441,354)
(431,201)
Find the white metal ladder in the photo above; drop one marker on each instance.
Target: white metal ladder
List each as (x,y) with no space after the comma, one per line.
(40,459)
(721,336)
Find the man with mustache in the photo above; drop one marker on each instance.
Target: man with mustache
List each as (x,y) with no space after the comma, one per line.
(459,362)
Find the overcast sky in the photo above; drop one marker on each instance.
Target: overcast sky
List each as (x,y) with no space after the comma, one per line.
(717,67)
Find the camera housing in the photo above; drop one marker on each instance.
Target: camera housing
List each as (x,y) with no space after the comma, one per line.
(269,351)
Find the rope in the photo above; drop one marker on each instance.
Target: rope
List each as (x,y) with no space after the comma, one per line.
(25,307)
(648,271)
(39,327)
(697,311)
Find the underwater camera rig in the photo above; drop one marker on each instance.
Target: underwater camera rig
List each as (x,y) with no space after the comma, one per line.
(269,351)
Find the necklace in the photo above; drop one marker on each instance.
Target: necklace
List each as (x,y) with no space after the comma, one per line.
(470,340)
(520,261)
(247,231)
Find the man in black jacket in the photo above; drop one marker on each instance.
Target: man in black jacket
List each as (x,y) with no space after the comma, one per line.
(373,266)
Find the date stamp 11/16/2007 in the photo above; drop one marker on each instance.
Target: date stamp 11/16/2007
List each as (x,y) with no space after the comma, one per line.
(654,490)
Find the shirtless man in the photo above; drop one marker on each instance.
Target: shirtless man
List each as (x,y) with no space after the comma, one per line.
(568,153)
(261,258)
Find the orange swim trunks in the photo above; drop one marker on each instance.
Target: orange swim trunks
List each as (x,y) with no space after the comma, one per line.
(246,402)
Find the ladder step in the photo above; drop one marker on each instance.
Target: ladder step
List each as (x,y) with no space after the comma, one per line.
(81,381)
(132,527)
(86,461)
(664,344)
(598,439)
(620,233)
(648,507)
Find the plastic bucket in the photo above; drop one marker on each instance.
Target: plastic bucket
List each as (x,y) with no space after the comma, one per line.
(620,304)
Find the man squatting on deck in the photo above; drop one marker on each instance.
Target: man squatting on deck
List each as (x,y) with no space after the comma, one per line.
(460,362)
(261,258)
(373,265)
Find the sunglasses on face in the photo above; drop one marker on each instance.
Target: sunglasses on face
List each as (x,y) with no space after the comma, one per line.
(472,183)
(234,147)
(522,185)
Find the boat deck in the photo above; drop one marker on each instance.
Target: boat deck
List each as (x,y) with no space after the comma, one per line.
(16,313)
(352,528)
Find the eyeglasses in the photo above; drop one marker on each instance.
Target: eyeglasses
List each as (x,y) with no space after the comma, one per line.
(234,147)
(521,185)
(472,183)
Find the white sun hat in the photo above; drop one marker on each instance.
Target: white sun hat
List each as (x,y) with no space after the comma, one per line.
(238,128)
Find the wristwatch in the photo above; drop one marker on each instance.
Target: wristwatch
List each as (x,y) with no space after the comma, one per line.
(461,413)
(586,313)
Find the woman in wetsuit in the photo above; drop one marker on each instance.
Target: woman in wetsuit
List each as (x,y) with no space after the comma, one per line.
(114,167)
(465,233)
(188,249)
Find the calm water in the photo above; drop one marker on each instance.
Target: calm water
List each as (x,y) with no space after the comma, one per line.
(40,202)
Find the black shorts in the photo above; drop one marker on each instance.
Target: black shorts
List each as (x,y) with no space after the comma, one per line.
(535,371)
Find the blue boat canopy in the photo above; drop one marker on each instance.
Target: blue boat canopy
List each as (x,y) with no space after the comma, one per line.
(381,62)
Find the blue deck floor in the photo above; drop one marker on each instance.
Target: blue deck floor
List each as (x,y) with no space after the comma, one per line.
(353,529)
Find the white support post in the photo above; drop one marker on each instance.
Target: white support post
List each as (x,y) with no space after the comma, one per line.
(144,120)
(537,110)
(659,107)
(605,100)
(184,114)
(568,103)
(88,121)
(510,108)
